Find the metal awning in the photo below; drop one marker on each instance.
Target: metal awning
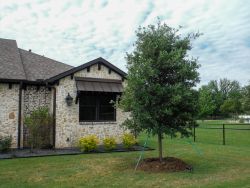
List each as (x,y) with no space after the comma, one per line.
(99,85)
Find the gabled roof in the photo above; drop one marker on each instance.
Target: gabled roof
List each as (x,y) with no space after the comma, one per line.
(18,65)
(99,60)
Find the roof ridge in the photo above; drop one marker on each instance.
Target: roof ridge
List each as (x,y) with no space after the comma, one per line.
(25,74)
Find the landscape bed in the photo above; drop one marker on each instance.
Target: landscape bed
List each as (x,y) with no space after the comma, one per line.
(26,153)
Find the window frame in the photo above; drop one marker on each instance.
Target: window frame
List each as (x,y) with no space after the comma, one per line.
(97,96)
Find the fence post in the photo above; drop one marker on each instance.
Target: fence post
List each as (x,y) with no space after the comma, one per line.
(224,141)
(194,133)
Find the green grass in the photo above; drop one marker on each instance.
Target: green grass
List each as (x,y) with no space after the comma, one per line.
(214,165)
(240,138)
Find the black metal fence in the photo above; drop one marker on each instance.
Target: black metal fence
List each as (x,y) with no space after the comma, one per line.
(221,132)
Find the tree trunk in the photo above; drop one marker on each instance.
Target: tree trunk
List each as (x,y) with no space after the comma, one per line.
(160,145)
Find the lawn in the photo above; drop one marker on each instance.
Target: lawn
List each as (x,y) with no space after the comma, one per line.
(214,165)
(215,136)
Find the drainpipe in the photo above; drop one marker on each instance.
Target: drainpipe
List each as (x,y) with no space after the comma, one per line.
(53,88)
(54,117)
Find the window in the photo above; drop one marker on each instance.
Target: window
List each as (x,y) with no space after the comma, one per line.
(97,107)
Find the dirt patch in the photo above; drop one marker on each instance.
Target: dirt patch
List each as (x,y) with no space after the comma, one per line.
(169,164)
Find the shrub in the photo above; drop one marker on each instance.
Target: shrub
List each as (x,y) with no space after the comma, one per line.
(88,143)
(109,143)
(39,124)
(5,143)
(128,140)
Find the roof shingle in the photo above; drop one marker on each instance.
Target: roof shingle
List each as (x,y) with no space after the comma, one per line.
(19,64)
(10,62)
(38,67)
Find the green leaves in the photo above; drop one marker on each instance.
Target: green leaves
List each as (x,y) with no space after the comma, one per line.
(246,99)
(206,102)
(223,97)
(160,81)
(39,124)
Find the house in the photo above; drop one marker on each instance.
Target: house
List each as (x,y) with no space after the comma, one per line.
(77,97)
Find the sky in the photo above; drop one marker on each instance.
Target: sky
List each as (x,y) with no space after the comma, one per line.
(77,31)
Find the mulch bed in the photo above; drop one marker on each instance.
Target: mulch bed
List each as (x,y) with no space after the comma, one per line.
(169,164)
(26,153)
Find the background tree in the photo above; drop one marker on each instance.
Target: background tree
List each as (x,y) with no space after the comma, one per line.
(232,107)
(231,91)
(206,102)
(226,96)
(217,97)
(229,88)
(160,81)
(246,99)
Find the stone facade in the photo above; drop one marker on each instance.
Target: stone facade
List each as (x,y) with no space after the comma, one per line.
(33,98)
(68,127)
(9,101)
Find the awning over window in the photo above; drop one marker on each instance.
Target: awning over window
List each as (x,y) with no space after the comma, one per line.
(99,85)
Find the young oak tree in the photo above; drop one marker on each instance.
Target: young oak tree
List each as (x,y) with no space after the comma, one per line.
(160,82)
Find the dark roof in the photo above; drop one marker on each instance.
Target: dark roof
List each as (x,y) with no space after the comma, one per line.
(99,60)
(38,67)
(11,66)
(20,65)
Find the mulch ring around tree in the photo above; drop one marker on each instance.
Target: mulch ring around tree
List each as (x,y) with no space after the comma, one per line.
(168,164)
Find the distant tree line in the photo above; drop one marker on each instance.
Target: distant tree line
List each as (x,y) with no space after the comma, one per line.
(223,98)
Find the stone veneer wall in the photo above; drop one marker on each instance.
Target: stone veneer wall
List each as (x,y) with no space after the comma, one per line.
(36,97)
(33,98)
(9,101)
(68,127)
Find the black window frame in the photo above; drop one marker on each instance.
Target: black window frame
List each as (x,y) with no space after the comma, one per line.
(97,96)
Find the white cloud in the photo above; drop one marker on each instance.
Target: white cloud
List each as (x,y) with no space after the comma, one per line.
(76,31)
